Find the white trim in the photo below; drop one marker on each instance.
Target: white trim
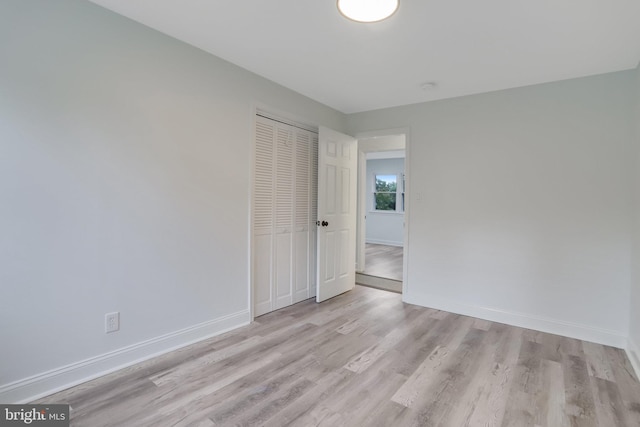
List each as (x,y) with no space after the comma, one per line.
(385,242)
(284,117)
(633,353)
(538,323)
(46,383)
(362,209)
(407,209)
(250,238)
(385,155)
(372,212)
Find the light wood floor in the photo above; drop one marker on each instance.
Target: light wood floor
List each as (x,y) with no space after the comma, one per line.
(367,359)
(383,261)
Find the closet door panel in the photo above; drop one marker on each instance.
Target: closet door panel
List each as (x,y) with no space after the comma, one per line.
(302,214)
(284,177)
(301,285)
(263,181)
(262,273)
(263,216)
(283,264)
(284,221)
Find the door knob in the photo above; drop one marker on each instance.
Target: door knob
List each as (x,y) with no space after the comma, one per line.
(325,223)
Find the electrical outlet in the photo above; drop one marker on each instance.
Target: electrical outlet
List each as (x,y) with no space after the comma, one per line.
(112,322)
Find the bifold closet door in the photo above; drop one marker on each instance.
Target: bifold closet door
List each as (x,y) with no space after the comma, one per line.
(284,231)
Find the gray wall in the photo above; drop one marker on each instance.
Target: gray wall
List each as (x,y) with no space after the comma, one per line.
(634,328)
(125,165)
(385,228)
(520,204)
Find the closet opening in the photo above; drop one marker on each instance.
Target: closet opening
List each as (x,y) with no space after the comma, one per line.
(283,213)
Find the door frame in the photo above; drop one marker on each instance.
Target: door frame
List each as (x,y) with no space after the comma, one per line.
(362,171)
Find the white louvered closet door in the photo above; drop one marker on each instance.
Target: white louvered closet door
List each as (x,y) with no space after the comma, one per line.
(284,211)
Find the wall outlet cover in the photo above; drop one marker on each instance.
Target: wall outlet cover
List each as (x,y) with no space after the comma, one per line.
(112,322)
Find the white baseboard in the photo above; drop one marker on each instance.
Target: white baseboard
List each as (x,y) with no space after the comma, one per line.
(46,383)
(385,242)
(522,320)
(633,353)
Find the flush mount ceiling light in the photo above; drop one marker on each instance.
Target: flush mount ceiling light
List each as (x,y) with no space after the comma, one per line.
(367,10)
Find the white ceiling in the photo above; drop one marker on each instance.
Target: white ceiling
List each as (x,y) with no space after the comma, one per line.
(465,46)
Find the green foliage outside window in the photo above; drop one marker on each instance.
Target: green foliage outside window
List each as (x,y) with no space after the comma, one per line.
(385,202)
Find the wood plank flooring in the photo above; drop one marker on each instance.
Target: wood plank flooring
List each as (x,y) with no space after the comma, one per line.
(367,359)
(383,261)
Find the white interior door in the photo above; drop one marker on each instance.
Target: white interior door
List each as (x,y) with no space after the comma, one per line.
(337,196)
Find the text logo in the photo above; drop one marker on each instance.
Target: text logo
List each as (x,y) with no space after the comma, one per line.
(34,415)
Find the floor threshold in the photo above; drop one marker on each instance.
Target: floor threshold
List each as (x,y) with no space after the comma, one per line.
(379,282)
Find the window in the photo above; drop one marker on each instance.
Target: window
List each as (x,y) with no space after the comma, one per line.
(388,194)
(385,192)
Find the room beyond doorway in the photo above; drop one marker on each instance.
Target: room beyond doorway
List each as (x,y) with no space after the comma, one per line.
(383,261)
(381,210)
(384,268)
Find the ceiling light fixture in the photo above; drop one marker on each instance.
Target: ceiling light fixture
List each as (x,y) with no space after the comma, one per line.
(367,10)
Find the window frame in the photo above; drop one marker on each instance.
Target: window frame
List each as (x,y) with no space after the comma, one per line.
(399,193)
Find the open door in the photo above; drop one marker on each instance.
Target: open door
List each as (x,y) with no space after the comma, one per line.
(337,194)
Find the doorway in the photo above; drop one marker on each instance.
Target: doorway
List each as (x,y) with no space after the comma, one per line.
(382,189)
